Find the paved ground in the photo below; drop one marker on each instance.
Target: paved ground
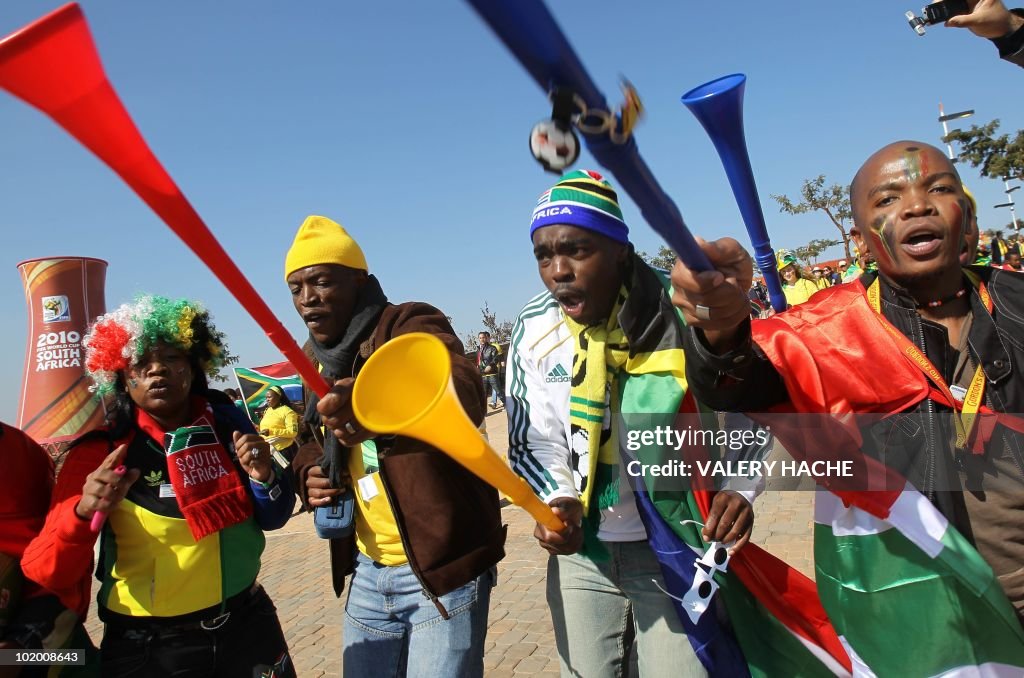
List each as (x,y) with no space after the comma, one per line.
(519,641)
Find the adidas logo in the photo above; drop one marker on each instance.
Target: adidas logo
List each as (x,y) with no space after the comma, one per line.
(155,478)
(558,374)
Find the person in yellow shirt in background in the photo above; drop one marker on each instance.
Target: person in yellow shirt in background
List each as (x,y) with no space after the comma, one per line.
(820,279)
(795,286)
(280,424)
(862,262)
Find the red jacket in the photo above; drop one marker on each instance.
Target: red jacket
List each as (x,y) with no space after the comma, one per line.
(66,569)
(26,482)
(25,486)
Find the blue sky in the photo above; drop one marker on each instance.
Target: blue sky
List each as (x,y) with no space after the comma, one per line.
(407,122)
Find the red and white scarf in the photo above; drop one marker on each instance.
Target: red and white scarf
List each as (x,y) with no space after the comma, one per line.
(206,483)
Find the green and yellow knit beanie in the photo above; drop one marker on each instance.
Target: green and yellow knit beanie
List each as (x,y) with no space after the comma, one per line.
(582,198)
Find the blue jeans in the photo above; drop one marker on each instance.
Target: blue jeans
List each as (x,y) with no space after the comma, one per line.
(600,609)
(392,629)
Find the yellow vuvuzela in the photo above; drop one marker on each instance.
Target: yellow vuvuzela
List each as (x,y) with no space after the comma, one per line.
(406,388)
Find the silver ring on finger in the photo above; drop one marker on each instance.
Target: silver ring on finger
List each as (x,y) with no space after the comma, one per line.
(702,312)
(350,428)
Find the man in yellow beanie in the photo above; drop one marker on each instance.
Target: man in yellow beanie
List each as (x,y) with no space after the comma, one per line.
(428,533)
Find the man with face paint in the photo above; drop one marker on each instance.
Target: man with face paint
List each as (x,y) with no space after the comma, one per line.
(922,336)
(588,350)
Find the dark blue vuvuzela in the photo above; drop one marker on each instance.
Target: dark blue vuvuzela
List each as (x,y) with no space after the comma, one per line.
(535,39)
(718,105)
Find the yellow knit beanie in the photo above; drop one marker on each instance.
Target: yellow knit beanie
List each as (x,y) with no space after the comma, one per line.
(322,241)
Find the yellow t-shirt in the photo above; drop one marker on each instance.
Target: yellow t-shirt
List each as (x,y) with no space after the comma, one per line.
(281,425)
(376,529)
(799,292)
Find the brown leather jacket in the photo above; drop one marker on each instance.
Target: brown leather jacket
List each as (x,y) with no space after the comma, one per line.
(448,519)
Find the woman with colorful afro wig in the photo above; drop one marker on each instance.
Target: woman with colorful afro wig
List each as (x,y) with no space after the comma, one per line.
(179,488)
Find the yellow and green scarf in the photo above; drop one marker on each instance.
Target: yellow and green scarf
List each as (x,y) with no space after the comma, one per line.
(635,369)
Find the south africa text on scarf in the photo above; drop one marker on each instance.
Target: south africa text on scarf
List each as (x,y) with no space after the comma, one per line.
(207,482)
(337,362)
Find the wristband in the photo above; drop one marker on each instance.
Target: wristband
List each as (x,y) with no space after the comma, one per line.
(1012,42)
(270,489)
(269,483)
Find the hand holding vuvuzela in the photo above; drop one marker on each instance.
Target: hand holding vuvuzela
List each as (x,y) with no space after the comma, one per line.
(406,388)
(715,301)
(568,539)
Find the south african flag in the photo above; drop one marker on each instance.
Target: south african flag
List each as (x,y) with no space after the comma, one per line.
(253,383)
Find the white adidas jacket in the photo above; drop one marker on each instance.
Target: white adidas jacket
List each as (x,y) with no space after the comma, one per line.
(537,376)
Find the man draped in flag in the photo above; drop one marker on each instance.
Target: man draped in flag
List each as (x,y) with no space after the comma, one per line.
(601,343)
(925,579)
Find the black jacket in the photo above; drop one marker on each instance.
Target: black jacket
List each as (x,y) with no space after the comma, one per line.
(918,443)
(1011,47)
(487,360)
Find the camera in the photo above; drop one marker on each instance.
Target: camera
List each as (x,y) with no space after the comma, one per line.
(936,13)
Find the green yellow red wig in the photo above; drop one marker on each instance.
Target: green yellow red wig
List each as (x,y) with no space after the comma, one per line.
(118,339)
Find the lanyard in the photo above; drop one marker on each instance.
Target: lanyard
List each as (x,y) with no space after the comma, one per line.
(975,393)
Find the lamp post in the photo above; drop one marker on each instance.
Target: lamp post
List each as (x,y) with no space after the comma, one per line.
(943,118)
(1009,191)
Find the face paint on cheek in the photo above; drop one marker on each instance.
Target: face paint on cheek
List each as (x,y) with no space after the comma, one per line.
(132,383)
(881,229)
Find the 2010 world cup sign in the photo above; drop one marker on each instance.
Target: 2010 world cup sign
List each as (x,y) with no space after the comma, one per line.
(63,294)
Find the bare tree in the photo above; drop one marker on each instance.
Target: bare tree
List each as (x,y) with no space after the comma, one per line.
(834,201)
(500,331)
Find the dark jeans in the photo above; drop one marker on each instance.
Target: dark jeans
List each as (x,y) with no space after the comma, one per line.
(491,385)
(248,643)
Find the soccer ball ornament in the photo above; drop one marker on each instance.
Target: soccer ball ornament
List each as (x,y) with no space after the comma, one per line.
(554,145)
